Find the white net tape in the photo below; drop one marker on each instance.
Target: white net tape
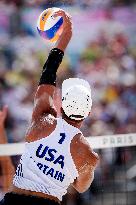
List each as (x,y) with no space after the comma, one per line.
(99,142)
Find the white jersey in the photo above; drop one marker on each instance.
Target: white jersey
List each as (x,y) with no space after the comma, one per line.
(46,165)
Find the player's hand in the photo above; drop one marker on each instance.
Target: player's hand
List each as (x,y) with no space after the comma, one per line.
(67,21)
(66,35)
(3,115)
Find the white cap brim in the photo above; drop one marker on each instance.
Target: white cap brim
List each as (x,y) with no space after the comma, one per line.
(70,82)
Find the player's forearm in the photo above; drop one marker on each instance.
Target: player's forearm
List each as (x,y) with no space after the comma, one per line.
(87,183)
(5,161)
(3,136)
(51,66)
(8,171)
(7,167)
(84,181)
(64,40)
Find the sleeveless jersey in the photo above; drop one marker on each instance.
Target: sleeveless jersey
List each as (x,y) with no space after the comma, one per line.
(46,165)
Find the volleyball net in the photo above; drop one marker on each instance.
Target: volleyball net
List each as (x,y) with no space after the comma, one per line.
(115,177)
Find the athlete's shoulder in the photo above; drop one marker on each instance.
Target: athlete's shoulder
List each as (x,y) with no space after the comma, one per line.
(44,126)
(82,148)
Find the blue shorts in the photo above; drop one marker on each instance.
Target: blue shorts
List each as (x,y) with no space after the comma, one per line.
(13,199)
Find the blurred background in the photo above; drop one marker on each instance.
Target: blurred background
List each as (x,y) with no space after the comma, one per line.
(102,51)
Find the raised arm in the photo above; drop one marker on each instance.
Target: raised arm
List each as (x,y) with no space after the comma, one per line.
(7,168)
(43,101)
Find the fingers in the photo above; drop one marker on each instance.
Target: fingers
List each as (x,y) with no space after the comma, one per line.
(62,13)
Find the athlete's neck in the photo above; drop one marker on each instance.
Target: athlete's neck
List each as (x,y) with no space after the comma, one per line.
(73,122)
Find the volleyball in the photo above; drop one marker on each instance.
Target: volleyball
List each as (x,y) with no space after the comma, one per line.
(50,28)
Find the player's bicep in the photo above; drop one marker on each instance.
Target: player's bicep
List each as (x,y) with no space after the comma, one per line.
(43,101)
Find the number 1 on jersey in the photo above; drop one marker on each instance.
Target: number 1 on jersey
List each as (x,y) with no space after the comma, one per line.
(63,135)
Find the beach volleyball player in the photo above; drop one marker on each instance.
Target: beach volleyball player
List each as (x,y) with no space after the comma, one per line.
(56,153)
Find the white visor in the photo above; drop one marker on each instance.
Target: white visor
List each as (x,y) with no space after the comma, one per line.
(76,98)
